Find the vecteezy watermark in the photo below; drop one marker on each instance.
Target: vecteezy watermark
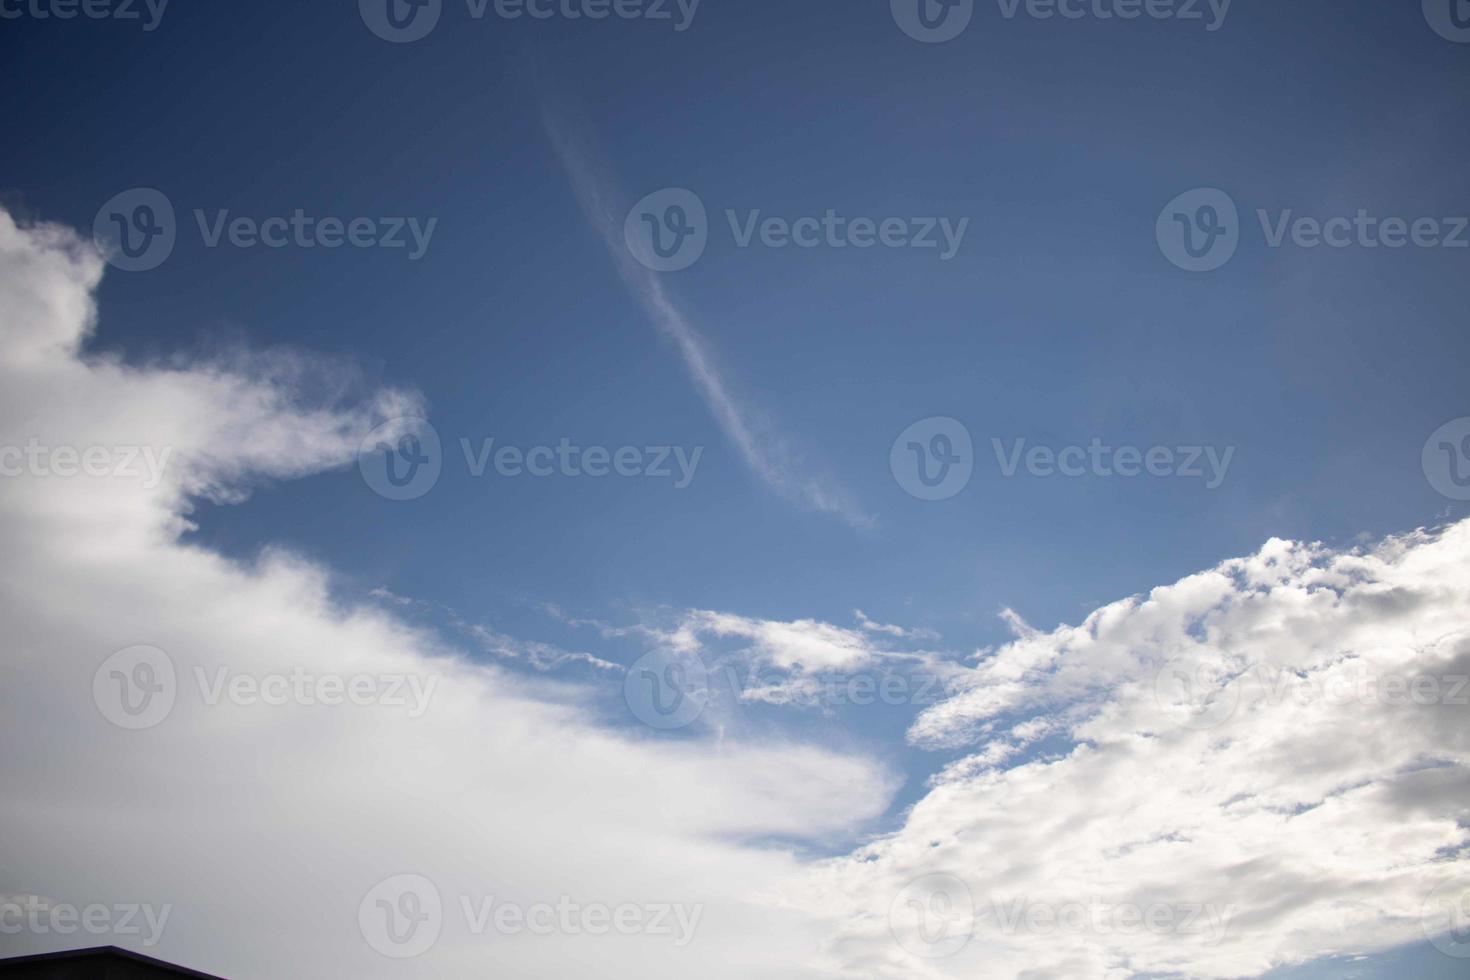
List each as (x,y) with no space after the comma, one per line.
(37,916)
(403,916)
(402,459)
(669,230)
(932,21)
(1203,692)
(138,687)
(405,21)
(933,459)
(568,459)
(1446,917)
(1200,230)
(149,13)
(137,230)
(933,917)
(834,689)
(1197,693)
(937,21)
(1446,459)
(135,688)
(667,689)
(1097,459)
(1450,19)
(37,459)
(1098,917)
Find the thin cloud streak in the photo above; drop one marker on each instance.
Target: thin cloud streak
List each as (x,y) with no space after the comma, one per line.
(768,455)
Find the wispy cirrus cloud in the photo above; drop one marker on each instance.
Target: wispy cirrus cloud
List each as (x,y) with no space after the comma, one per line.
(536,654)
(767,453)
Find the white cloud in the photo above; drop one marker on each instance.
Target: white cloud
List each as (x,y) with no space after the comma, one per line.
(1312,782)
(264,826)
(873,626)
(806,643)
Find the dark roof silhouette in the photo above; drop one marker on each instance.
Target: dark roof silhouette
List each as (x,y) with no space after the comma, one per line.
(97,963)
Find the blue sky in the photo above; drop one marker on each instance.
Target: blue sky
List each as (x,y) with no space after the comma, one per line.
(1059,319)
(1056,322)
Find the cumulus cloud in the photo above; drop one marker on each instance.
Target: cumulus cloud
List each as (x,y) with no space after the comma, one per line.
(262,821)
(1269,757)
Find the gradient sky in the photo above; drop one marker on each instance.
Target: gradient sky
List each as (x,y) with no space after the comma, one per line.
(1059,320)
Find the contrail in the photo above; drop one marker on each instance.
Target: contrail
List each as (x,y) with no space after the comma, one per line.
(605,207)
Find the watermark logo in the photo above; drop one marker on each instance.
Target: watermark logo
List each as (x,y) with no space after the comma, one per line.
(1199,230)
(933,917)
(1446,459)
(138,688)
(932,21)
(1210,13)
(37,459)
(666,689)
(302,230)
(404,916)
(39,916)
(933,459)
(149,12)
(1363,230)
(400,21)
(1209,464)
(401,917)
(404,21)
(301,687)
(668,230)
(136,230)
(1200,693)
(1446,918)
(1209,923)
(567,459)
(937,21)
(568,917)
(135,688)
(827,690)
(836,231)
(1196,693)
(1449,18)
(401,459)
